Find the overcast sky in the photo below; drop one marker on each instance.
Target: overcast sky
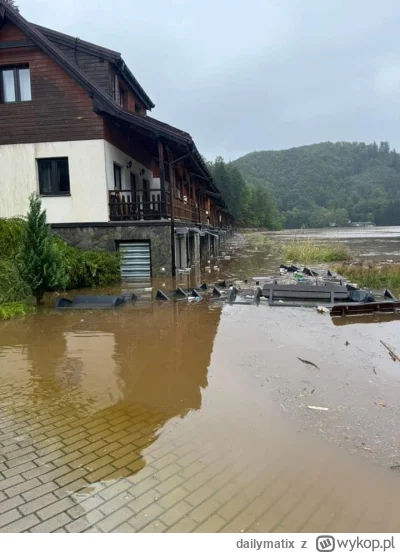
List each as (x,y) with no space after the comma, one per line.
(245,75)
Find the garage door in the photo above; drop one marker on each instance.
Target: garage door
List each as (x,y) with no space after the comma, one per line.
(135,260)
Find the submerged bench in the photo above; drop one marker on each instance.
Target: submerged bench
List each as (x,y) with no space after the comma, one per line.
(93,302)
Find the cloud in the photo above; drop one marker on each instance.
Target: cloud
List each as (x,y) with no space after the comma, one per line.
(243,76)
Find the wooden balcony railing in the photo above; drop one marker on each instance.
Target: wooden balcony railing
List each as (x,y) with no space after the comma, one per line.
(126,205)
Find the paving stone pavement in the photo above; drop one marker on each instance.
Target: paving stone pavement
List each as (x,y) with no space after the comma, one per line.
(124,469)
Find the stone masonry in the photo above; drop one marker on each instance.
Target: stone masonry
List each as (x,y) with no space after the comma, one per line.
(106,236)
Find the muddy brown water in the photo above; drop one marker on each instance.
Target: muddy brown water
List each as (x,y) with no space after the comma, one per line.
(182,416)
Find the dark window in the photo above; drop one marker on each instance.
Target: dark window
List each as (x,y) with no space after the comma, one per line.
(53,176)
(138,109)
(15,84)
(121,97)
(117,177)
(133,182)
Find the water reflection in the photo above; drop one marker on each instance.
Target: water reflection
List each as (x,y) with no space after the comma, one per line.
(116,377)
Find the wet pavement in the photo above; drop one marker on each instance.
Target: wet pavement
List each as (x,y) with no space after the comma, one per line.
(181,417)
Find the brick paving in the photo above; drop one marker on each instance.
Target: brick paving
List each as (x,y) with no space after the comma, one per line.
(126,469)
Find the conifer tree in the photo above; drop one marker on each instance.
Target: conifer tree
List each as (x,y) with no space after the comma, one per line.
(39,259)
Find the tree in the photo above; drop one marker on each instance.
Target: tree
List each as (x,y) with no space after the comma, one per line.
(351,180)
(12,4)
(39,260)
(249,205)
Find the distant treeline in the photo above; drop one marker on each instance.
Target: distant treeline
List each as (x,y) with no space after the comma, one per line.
(313,186)
(251,205)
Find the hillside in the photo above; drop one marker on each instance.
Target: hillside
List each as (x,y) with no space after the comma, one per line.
(328,183)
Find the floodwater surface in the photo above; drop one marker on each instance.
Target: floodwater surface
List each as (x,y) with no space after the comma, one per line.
(181,417)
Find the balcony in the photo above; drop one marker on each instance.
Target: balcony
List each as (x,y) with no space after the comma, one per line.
(148,205)
(141,205)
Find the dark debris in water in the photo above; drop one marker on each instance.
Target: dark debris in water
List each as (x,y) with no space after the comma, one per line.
(308,362)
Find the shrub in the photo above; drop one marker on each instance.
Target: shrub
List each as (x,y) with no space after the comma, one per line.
(12,287)
(85,269)
(10,310)
(304,251)
(10,237)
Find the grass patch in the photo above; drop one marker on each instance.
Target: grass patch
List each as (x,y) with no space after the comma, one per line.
(372,276)
(304,251)
(258,239)
(16,309)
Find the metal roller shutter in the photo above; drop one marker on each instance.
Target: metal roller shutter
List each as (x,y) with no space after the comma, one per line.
(135,260)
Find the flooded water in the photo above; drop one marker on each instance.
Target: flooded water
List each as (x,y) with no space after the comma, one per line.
(181,417)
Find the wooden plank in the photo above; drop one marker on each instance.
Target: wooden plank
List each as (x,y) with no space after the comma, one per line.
(364,308)
(21,43)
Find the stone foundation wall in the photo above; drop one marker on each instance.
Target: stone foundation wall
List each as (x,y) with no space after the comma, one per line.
(106,237)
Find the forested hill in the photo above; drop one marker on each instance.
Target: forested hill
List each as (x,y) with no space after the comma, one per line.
(329,183)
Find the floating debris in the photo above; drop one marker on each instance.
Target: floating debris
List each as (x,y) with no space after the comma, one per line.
(380,403)
(308,362)
(316,408)
(391,351)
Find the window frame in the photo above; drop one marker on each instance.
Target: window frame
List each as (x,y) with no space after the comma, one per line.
(121,97)
(117,168)
(17,84)
(53,161)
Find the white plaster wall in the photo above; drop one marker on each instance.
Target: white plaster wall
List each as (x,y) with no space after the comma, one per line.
(114,155)
(88,201)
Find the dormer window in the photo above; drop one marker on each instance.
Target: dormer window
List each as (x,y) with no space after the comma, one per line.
(15,84)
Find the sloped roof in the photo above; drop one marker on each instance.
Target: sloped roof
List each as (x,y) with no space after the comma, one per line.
(79,44)
(101,102)
(93,49)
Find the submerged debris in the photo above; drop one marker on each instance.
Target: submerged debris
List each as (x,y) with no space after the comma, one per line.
(380,403)
(391,351)
(308,362)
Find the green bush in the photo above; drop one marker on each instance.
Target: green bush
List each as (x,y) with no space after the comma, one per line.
(89,268)
(12,287)
(10,237)
(85,269)
(10,310)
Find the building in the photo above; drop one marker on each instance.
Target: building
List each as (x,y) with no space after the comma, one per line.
(75,128)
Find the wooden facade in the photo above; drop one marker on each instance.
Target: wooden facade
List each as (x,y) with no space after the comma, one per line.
(81,91)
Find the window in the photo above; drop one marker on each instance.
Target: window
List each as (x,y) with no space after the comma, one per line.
(117,177)
(121,97)
(133,182)
(53,176)
(15,84)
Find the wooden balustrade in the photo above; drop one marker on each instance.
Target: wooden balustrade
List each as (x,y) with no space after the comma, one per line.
(128,205)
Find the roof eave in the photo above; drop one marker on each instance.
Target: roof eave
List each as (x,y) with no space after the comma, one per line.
(127,73)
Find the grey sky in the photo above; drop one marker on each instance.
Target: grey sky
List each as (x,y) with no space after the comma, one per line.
(244,75)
